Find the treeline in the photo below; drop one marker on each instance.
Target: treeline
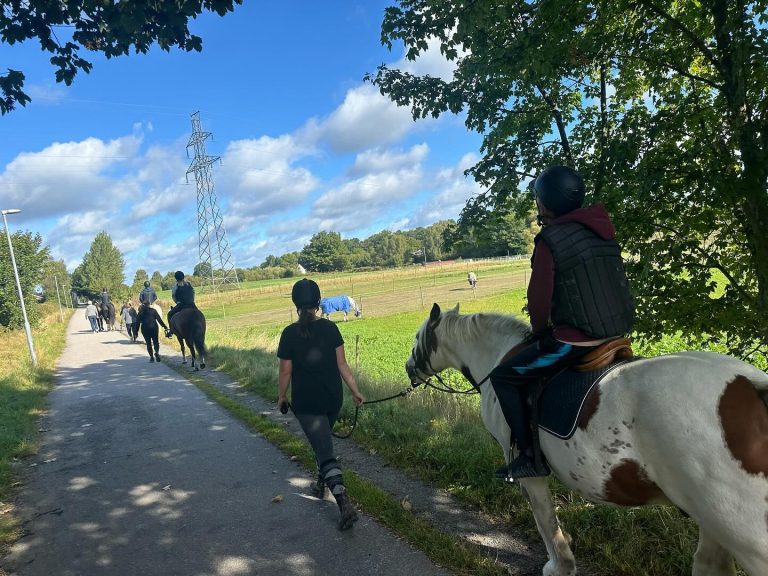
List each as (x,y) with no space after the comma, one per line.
(444,240)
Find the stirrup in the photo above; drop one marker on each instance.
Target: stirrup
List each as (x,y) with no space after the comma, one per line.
(524,467)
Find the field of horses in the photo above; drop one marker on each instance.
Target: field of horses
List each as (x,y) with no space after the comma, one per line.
(433,434)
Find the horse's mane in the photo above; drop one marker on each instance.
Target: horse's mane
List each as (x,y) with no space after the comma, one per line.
(467,327)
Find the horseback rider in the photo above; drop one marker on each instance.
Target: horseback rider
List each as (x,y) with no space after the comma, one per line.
(147,294)
(578,298)
(104,298)
(183,294)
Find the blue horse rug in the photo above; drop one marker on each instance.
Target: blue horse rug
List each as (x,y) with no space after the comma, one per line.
(335,304)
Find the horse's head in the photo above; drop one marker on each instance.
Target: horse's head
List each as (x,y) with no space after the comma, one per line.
(428,358)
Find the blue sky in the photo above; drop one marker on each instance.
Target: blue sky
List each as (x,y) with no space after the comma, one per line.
(305,144)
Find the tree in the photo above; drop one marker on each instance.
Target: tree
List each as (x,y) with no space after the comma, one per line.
(661,106)
(139,278)
(325,252)
(54,271)
(112,28)
(102,267)
(157,278)
(31,261)
(203,270)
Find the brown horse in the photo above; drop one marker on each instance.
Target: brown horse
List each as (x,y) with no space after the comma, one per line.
(189,326)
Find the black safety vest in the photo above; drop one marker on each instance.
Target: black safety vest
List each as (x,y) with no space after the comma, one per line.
(185,295)
(591,288)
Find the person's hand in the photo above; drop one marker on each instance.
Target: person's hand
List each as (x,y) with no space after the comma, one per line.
(358,398)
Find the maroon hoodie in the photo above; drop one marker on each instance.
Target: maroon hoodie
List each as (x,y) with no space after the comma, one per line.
(542,284)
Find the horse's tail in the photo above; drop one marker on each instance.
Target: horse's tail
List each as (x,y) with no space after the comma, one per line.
(198,339)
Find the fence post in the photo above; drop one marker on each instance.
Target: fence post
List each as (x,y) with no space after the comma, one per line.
(422,296)
(357,351)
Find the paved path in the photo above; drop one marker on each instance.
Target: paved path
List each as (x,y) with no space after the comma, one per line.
(140,474)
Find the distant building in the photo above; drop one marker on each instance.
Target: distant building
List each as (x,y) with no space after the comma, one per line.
(301,269)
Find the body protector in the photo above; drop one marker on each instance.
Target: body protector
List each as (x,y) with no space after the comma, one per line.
(591,289)
(185,295)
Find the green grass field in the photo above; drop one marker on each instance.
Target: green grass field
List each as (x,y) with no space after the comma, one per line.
(435,435)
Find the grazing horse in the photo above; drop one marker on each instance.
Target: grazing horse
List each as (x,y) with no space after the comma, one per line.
(189,326)
(341,303)
(106,316)
(688,429)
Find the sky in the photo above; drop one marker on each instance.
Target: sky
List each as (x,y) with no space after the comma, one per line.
(305,144)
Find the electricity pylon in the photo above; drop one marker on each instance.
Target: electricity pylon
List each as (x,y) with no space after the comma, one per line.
(210,225)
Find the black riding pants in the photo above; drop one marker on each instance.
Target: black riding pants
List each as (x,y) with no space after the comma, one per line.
(151,339)
(513,380)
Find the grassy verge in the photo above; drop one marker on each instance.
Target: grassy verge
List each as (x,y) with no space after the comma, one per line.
(23,392)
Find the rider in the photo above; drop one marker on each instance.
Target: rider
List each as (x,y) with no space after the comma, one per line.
(104,297)
(183,293)
(147,294)
(578,298)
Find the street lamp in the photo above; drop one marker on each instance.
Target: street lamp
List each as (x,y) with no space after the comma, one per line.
(18,284)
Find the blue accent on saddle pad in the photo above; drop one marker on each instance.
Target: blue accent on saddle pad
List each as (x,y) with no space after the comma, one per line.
(563,398)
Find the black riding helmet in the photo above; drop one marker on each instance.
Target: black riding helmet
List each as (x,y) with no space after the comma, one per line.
(179,275)
(306,294)
(560,189)
(146,283)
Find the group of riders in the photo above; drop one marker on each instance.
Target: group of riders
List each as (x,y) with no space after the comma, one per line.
(147,318)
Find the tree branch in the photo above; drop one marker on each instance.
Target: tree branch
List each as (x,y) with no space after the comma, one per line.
(561,128)
(698,42)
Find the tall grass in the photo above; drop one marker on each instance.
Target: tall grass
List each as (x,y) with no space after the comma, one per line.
(23,392)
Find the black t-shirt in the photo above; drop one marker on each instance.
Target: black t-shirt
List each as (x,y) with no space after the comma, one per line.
(315,379)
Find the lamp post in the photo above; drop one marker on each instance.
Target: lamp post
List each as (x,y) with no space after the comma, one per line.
(18,284)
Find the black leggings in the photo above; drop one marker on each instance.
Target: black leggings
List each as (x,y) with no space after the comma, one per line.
(150,338)
(317,428)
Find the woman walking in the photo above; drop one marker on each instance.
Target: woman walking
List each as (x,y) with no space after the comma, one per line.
(313,363)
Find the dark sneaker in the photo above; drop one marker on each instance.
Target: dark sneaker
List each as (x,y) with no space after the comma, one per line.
(157,356)
(168,333)
(151,359)
(524,467)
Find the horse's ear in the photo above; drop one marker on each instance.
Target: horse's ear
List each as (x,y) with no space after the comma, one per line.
(434,313)
(456,308)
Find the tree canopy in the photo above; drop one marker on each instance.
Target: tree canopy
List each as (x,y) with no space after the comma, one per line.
(661,106)
(102,267)
(31,260)
(64,28)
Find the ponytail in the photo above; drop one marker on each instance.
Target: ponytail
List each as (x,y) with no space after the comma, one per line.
(306,317)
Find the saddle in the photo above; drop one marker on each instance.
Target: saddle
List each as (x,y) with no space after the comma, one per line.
(605,354)
(556,401)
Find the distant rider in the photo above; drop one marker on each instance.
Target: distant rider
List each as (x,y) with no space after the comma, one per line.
(147,295)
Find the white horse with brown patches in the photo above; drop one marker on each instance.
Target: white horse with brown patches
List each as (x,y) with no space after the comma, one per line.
(688,429)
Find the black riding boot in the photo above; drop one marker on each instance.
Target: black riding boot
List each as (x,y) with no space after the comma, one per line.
(318,487)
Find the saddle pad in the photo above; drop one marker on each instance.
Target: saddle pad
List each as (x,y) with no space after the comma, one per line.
(563,398)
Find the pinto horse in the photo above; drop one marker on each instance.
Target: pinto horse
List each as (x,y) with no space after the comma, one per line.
(688,429)
(189,326)
(341,303)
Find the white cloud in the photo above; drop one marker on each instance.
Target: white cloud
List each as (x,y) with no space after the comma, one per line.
(431,62)
(260,176)
(68,176)
(365,119)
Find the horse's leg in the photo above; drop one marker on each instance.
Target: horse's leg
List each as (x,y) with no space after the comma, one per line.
(183,351)
(711,559)
(191,346)
(561,561)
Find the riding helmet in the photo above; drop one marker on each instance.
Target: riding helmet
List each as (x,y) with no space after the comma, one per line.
(146,283)
(560,189)
(306,294)
(179,275)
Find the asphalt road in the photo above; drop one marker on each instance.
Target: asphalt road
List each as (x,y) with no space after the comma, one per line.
(140,474)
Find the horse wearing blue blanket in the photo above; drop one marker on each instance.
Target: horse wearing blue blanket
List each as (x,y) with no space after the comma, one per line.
(341,303)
